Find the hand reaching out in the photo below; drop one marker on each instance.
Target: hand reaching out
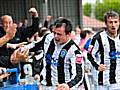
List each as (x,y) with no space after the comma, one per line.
(18,55)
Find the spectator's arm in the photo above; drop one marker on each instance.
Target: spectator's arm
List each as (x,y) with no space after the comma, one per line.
(4,40)
(47,20)
(14,46)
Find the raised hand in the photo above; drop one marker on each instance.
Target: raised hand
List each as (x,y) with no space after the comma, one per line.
(11,31)
(19,55)
(33,12)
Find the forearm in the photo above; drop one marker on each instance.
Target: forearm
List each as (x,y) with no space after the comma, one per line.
(78,77)
(35,22)
(91,59)
(14,46)
(9,45)
(4,40)
(93,52)
(45,24)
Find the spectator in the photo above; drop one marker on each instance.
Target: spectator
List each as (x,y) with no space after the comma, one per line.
(10,30)
(17,37)
(6,35)
(77,35)
(86,36)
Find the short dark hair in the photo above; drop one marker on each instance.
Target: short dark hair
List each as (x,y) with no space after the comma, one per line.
(62,21)
(110,13)
(83,34)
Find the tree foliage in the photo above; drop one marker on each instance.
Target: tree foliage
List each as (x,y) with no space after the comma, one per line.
(101,8)
(87,9)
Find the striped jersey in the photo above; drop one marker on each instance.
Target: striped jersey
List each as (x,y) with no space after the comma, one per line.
(106,50)
(60,64)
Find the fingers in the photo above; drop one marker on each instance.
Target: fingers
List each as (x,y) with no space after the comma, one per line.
(60,87)
(11,31)
(33,11)
(26,52)
(14,57)
(12,28)
(63,87)
(24,55)
(102,67)
(4,75)
(18,55)
(37,77)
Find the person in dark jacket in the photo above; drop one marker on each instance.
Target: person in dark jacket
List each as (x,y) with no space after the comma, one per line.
(17,37)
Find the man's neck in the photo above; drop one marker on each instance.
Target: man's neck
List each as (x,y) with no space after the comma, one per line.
(111,35)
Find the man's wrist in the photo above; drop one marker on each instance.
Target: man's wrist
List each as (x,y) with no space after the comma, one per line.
(4,40)
(6,37)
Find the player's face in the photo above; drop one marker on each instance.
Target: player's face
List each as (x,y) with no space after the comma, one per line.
(112,25)
(60,36)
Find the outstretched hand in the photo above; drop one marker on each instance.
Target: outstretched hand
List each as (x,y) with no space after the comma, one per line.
(19,55)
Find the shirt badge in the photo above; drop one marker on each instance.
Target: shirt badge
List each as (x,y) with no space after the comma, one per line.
(63,53)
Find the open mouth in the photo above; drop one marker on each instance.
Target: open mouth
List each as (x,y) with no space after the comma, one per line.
(113,28)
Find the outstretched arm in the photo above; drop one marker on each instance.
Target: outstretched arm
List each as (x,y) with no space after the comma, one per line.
(19,55)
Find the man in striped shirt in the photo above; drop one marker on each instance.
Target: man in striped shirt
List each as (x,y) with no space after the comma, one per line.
(104,54)
(62,61)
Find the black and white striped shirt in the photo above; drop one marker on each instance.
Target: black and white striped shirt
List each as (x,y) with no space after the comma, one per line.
(60,64)
(106,50)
